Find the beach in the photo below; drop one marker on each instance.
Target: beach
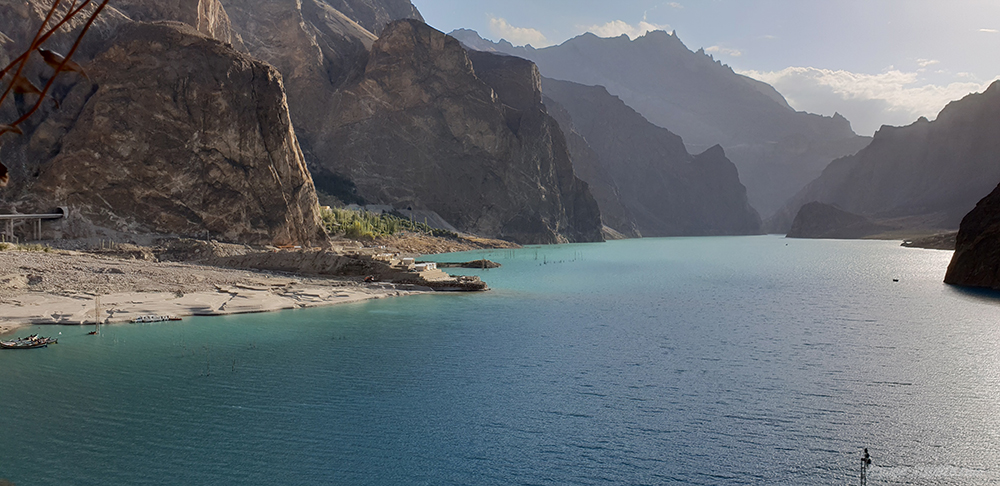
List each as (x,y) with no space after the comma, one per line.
(62,287)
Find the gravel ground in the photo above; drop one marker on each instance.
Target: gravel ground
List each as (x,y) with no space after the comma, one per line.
(62,272)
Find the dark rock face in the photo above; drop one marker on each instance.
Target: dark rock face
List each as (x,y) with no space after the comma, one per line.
(318,49)
(931,173)
(818,220)
(179,134)
(644,179)
(976,262)
(424,128)
(776,149)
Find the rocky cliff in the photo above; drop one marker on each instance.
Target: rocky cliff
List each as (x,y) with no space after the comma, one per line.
(208,17)
(925,176)
(177,133)
(776,149)
(976,262)
(644,179)
(426,128)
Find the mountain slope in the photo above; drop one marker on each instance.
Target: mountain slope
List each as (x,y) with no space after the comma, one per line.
(176,134)
(426,127)
(776,149)
(929,174)
(663,190)
(976,262)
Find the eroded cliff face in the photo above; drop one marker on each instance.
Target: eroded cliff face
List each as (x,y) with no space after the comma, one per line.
(422,129)
(207,16)
(925,176)
(177,134)
(976,262)
(644,179)
(374,15)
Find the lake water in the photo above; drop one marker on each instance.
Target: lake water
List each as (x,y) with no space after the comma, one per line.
(748,360)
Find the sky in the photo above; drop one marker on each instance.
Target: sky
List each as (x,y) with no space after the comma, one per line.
(874,61)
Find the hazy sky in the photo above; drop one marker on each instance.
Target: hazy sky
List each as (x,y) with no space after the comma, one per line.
(875,61)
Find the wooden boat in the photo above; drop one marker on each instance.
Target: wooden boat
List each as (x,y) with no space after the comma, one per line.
(30,342)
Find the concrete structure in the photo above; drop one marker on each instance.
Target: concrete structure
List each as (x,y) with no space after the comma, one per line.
(34,219)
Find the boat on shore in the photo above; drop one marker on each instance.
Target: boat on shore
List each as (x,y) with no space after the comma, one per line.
(30,342)
(153,318)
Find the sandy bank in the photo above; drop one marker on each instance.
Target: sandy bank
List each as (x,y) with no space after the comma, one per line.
(61,287)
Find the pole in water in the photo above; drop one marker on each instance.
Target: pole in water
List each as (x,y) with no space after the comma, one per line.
(866,461)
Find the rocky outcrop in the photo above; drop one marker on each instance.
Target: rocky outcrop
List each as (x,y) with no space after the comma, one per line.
(644,179)
(930,173)
(776,149)
(177,134)
(374,15)
(424,128)
(207,16)
(818,220)
(976,262)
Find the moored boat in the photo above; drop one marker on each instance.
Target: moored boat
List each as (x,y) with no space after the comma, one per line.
(30,342)
(153,318)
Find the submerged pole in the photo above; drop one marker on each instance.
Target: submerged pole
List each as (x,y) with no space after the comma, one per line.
(866,460)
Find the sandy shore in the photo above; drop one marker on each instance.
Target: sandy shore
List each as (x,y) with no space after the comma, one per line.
(61,288)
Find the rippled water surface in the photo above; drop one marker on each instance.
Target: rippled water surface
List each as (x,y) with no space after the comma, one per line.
(751,360)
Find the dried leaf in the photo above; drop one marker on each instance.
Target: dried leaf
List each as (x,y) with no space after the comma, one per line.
(54,59)
(23,86)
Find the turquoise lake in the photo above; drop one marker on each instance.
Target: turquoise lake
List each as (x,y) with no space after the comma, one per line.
(743,360)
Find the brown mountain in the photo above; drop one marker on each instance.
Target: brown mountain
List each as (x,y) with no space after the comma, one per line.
(426,127)
(925,176)
(643,177)
(177,133)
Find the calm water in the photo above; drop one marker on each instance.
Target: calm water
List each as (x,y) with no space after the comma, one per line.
(752,360)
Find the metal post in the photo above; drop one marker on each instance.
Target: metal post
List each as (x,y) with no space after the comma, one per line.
(866,461)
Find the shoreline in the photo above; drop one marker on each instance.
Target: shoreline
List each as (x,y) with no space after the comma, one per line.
(42,308)
(60,288)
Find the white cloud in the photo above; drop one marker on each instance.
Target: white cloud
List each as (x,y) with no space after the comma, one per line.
(990,31)
(616,28)
(724,50)
(500,28)
(675,5)
(927,62)
(892,97)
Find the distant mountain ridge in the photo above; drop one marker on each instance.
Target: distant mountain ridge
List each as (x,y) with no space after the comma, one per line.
(642,176)
(776,149)
(927,175)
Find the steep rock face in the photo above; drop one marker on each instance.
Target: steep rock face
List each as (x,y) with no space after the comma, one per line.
(931,173)
(422,130)
(374,15)
(976,262)
(818,220)
(776,149)
(590,168)
(206,16)
(179,134)
(317,49)
(664,190)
